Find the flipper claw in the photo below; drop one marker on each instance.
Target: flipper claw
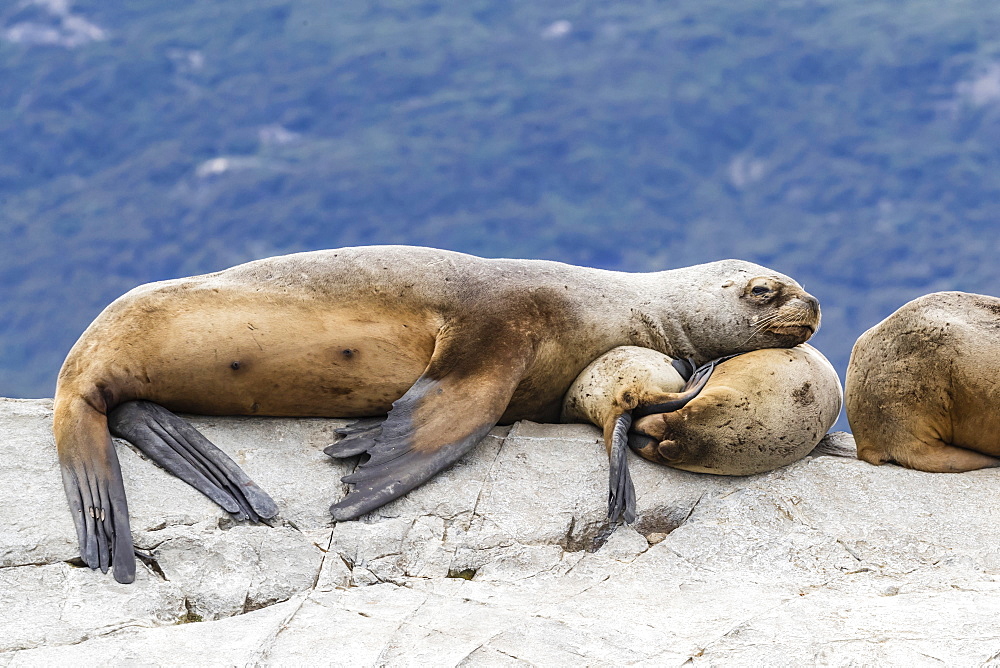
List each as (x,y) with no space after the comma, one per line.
(96,496)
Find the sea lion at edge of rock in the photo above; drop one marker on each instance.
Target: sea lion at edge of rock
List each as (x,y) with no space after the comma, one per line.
(922,387)
(752,413)
(448,344)
(606,392)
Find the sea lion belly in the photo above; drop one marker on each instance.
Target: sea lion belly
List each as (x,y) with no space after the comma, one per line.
(240,354)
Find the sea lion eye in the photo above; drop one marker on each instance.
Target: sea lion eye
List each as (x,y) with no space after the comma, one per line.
(759,290)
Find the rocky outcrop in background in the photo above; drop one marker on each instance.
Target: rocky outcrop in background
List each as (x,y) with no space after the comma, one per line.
(829,561)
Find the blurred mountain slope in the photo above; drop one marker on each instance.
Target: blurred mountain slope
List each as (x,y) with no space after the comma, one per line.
(854,145)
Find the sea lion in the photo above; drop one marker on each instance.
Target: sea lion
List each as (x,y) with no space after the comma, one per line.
(758,411)
(739,415)
(605,394)
(447,344)
(921,387)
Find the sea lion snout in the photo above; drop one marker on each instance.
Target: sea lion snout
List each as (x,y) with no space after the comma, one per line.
(801,312)
(795,320)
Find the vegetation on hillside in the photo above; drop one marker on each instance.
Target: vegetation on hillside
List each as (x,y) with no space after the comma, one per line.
(854,144)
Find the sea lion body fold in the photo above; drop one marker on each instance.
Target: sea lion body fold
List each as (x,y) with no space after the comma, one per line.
(447,344)
(922,386)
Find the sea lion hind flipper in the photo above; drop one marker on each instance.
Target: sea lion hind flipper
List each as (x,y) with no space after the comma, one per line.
(93,482)
(182,450)
(685,367)
(673,401)
(443,415)
(621,491)
(359,437)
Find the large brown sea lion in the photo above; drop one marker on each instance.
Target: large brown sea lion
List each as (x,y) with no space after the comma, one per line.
(742,415)
(922,386)
(447,344)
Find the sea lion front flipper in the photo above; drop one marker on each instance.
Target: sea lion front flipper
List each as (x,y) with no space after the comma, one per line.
(184,451)
(447,411)
(621,491)
(685,367)
(360,426)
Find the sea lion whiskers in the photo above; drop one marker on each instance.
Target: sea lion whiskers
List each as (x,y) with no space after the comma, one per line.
(762,324)
(790,315)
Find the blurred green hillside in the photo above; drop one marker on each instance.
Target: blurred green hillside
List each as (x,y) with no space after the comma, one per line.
(852,144)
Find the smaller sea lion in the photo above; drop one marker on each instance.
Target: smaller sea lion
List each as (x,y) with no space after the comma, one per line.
(921,388)
(613,387)
(739,415)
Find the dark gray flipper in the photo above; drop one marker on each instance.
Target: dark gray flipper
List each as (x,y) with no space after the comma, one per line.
(685,367)
(96,497)
(395,466)
(621,491)
(694,385)
(182,450)
(447,411)
(359,437)
(363,425)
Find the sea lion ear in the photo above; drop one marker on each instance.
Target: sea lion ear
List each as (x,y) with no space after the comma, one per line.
(728,284)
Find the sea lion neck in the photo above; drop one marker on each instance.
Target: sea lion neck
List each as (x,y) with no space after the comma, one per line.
(673,309)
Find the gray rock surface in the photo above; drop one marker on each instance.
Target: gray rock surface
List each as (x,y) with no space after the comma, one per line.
(829,561)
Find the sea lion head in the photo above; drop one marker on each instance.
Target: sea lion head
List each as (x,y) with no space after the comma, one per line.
(783,314)
(742,306)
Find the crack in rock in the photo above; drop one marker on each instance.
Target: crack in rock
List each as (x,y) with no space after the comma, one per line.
(742,624)
(266,644)
(486,479)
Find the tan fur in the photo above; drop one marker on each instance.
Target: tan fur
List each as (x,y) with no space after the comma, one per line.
(616,382)
(270,337)
(922,386)
(759,411)
(451,343)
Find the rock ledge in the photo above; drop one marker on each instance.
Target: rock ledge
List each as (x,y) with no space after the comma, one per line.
(829,561)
